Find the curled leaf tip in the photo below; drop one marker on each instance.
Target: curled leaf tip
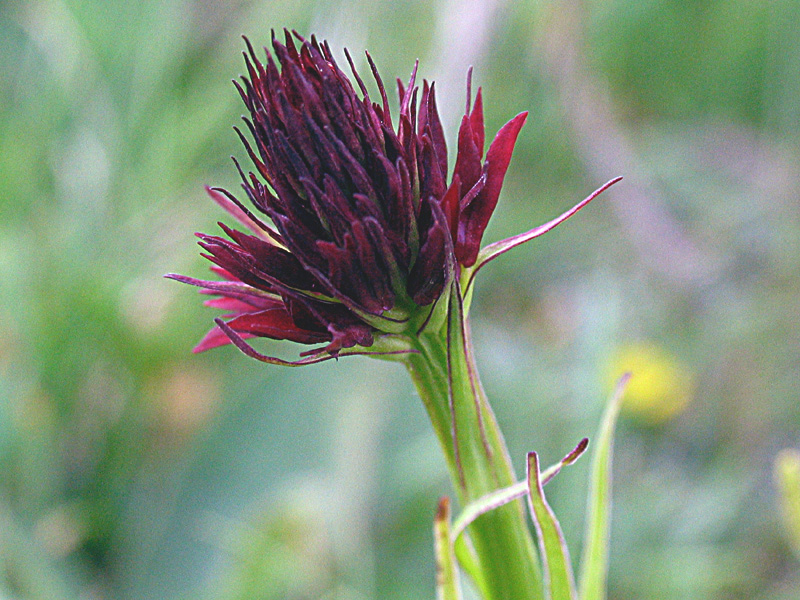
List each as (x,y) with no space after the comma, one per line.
(576,452)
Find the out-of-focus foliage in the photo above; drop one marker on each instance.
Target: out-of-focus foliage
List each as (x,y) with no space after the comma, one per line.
(787,478)
(130,468)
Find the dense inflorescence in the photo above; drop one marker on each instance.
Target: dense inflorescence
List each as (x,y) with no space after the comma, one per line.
(363,228)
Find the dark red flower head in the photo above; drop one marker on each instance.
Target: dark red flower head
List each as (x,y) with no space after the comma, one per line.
(363,230)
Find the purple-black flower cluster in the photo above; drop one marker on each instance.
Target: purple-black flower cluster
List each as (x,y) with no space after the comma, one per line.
(362,228)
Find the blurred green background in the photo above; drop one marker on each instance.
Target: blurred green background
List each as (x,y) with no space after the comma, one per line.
(132,469)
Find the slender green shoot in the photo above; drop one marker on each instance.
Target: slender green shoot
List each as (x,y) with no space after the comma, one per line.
(594,562)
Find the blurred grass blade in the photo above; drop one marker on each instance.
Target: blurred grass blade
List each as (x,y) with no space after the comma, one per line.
(468,560)
(558,579)
(447,587)
(27,568)
(787,476)
(594,562)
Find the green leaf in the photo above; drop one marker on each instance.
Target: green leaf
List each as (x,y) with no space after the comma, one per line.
(465,553)
(558,580)
(498,498)
(447,587)
(594,562)
(492,251)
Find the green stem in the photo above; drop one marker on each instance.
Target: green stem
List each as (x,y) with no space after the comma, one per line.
(444,373)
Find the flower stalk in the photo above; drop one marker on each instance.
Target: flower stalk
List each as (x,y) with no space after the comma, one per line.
(443,370)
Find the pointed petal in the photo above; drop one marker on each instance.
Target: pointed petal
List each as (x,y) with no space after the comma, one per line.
(386,117)
(405,92)
(429,274)
(431,179)
(476,122)
(214,339)
(273,260)
(224,287)
(475,217)
(437,132)
(238,341)
(449,204)
(468,165)
(320,356)
(233,306)
(275,323)
(235,208)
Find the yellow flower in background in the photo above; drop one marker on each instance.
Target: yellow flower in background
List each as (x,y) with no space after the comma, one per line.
(660,388)
(787,477)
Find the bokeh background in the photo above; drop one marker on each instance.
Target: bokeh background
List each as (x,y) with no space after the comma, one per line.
(132,469)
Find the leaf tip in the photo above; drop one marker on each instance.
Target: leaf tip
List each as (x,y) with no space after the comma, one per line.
(577,452)
(443,510)
(619,388)
(533,467)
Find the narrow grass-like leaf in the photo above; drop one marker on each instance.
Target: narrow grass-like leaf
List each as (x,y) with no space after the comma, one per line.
(465,553)
(447,585)
(558,580)
(492,251)
(503,496)
(486,503)
(594,562)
